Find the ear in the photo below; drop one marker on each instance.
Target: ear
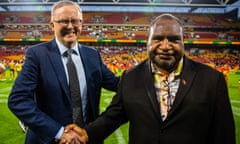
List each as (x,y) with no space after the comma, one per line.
(51,25)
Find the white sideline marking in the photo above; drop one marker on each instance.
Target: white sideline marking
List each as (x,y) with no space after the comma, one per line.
(3,96)
(3,100)
(6,89)
(107,100)
(235,101)
(236,110)
(119,135)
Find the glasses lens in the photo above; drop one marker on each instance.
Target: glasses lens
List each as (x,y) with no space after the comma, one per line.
(75,22)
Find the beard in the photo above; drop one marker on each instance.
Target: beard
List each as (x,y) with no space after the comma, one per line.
(169,64)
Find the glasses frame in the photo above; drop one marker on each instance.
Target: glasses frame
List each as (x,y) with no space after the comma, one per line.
(64,22)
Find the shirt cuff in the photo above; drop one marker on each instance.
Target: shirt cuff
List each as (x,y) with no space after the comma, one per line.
(59,134)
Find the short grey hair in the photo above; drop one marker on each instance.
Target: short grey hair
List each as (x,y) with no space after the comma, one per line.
(62,3)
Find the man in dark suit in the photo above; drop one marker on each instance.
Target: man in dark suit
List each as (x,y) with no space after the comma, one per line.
(41,97)
(194,110)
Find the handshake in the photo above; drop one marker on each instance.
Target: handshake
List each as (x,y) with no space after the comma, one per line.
(73,135)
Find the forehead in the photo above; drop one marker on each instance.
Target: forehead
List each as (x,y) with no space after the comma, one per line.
(67,12)
(167,27)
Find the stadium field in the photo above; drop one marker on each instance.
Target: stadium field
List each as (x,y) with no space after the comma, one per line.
(10,132)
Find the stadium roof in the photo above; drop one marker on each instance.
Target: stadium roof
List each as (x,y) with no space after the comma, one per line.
(185,6)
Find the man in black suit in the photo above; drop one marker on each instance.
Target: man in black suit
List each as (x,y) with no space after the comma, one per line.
(41,95)
(191,106)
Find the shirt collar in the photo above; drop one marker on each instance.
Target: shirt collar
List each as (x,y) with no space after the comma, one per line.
(176,73)
(63,49)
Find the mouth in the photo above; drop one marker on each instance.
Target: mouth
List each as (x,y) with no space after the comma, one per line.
(165,54)
(70,35)
(71,32)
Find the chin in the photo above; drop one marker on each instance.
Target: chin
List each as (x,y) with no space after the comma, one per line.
(164,64)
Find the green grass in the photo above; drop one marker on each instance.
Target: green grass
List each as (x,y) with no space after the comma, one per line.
(10,132)
(234,93)
(120,136)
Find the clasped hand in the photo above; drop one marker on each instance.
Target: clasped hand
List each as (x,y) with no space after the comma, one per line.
(73,135)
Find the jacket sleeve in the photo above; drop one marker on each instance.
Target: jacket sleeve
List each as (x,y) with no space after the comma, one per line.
(22,102)
(223,128)
(109,120)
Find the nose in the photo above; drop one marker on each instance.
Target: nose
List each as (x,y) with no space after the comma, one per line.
(165,44)
(69,24)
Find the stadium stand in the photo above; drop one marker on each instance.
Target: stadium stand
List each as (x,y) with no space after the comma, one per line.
(116,25)
(18,27)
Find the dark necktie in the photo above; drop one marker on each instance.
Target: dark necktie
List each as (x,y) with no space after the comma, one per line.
(74,90)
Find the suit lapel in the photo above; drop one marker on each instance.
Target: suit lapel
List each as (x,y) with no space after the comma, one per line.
(84,58)
(56,61)
(185,84)
(149,87)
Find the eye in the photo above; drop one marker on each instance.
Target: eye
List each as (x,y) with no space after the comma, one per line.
(64,21)
(74,21)
(174,38)
(158,38)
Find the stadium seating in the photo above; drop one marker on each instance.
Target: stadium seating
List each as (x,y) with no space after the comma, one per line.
(116,25)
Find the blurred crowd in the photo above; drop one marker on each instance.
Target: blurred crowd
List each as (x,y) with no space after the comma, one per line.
(119,57)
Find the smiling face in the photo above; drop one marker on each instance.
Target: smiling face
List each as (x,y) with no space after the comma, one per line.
(165,44)
(67,24)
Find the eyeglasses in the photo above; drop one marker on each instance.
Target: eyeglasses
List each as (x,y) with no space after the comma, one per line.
(74,22)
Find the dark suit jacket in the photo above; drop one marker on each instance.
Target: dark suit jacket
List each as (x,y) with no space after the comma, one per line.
(40,96)
(201,113)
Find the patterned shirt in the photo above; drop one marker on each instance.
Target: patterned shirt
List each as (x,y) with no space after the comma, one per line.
(166,86)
